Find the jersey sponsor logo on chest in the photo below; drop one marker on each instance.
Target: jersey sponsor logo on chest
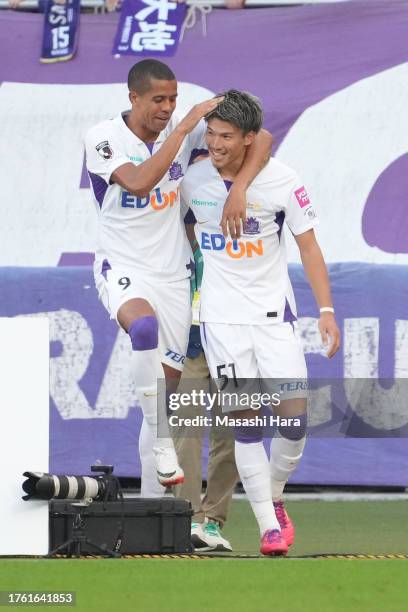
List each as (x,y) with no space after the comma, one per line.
(236,249)
(196,202)
(157,199)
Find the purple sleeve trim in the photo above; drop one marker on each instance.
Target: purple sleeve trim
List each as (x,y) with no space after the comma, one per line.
(196,153)
(99,187)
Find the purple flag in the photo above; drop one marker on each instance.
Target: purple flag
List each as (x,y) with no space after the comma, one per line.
(60,35)
(149,27)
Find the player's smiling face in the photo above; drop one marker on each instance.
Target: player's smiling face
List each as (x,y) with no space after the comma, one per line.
(153,109)
(227,144)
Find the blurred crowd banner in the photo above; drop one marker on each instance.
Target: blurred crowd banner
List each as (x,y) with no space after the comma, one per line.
(149,27)
(61,26)
(332,82)
(94,413)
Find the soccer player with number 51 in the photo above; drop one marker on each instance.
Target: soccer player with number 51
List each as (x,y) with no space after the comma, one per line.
(248,320)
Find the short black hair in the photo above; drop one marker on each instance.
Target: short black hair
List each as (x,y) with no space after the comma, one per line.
(143,72)
(239,108)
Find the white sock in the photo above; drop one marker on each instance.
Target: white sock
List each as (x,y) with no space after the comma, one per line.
(285,456)
(253,469)
(146,368)
(150,485)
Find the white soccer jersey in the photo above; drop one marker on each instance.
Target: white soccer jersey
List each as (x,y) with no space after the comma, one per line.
(246,281)
(145,234)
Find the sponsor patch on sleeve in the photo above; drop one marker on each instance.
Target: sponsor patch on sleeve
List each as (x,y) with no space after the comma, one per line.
(104,150)
(302,197)
(309,213)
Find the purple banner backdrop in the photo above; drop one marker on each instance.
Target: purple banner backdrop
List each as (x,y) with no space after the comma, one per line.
(292,58)
(93,413)
(149,28)
(60,34)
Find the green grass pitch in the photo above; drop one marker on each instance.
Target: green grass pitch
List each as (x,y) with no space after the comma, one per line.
(235,585)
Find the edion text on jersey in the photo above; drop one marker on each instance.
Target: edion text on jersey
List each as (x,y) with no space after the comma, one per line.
(157,199)
(236,249)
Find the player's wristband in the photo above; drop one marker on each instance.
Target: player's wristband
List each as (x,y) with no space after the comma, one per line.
(327,309)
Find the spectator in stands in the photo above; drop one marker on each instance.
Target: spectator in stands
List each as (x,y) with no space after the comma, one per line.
(211,512)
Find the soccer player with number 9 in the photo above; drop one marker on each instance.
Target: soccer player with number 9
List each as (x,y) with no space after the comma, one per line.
(136,162)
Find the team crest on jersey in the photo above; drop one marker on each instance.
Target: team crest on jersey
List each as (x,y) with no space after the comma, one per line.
(104,150)
(175,171)
(252,226)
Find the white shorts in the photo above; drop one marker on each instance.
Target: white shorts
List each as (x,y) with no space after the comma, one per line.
(270,353)
(170,301)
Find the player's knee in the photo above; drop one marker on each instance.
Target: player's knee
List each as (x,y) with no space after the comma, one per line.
(248,434)
(295,429)
(144,333)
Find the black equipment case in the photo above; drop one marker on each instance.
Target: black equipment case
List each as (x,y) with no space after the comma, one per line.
(152,526)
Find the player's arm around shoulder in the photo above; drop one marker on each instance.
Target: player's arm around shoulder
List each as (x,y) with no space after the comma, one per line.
(318,277)
(192,179)
(257,156)
(141,179)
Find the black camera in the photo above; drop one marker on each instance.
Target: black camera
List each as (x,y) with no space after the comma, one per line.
(45,486)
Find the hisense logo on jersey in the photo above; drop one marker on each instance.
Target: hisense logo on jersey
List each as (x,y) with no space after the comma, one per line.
(157,199)
(236,249)
(196,202)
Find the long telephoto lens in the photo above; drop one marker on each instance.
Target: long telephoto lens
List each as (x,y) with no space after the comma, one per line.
(48,486)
